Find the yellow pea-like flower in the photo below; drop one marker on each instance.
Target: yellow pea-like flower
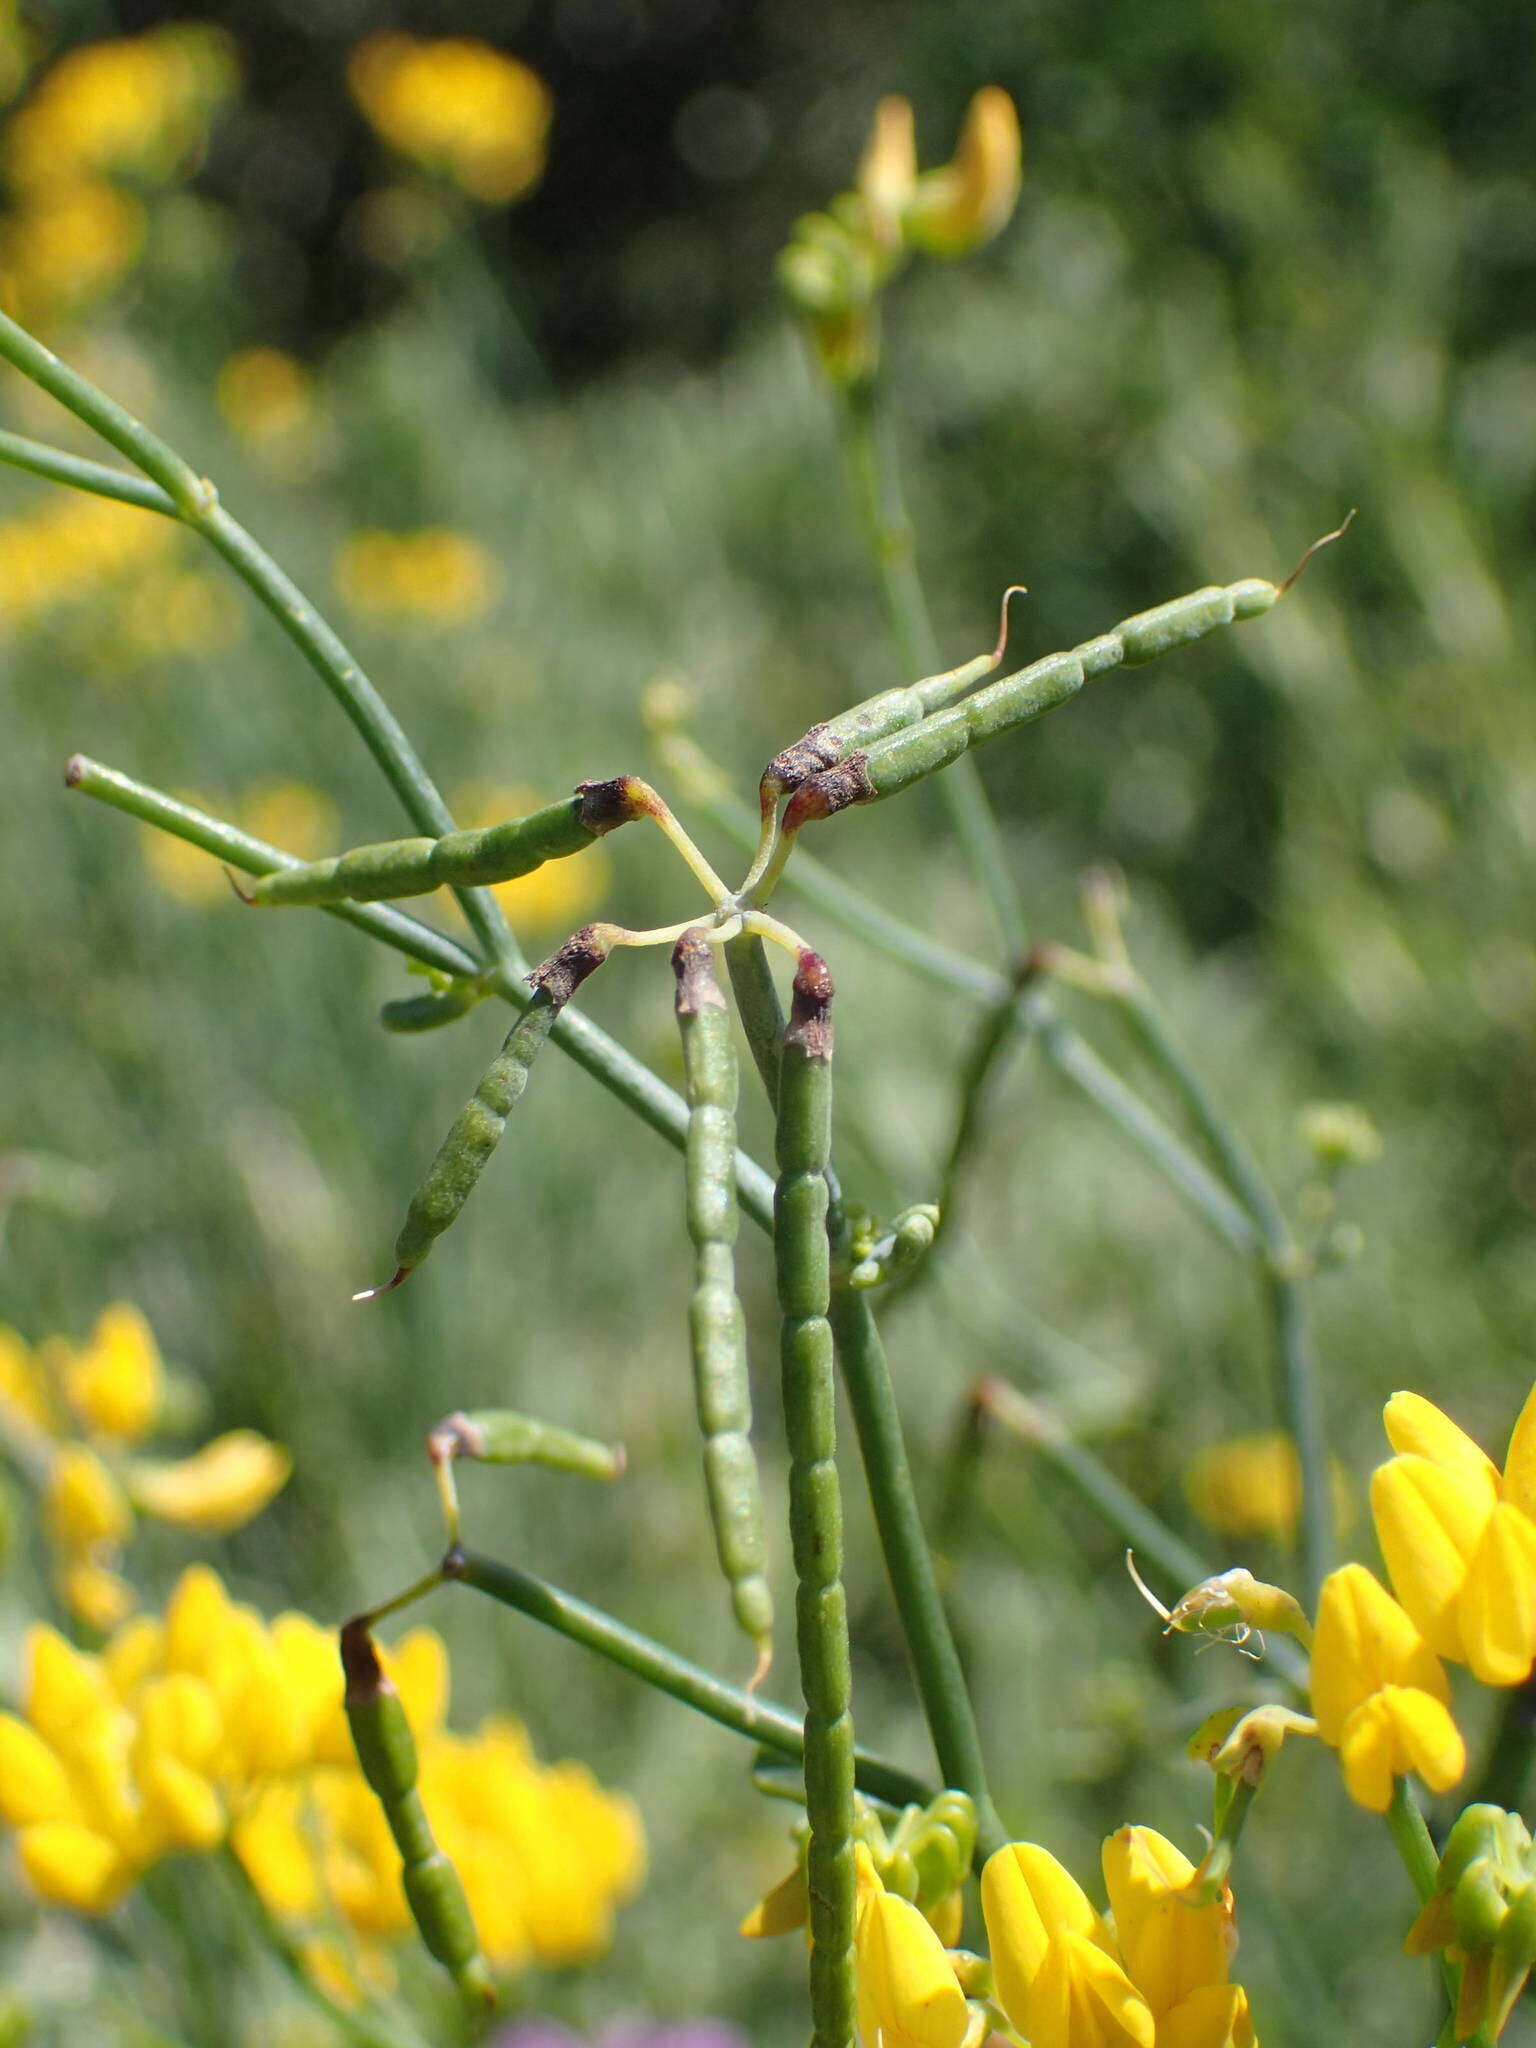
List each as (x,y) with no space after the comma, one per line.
(1169,1947)
(74,1866)
(1459,1537)
(96,1595)
(1027,1899)
(908,1996)
(1082,1998)
(65,1694)
(217,1489)
(24,1390)
(34,1785)
(116,1383)
(181,1809)
(969,201)
(83,1505)
(1379,1693)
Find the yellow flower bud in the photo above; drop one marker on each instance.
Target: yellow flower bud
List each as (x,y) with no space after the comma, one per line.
(74,1866)
(83,1505)
(907,1993)
(781,1910)
(1027,1898)
(1169,1947)
(66,1696)
(956,209)
(116,1383)
(96,1596)
(888,170)
(218,1488)
(34,1786)
(1246,1747)
(25,1395)
(181,1809)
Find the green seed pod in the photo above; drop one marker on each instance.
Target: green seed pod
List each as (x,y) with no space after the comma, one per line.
(892,763)
(803,1271)
(498,1436)
(717,1329)
(499,853)
(433,1008)
(477,1129)
(386,1754)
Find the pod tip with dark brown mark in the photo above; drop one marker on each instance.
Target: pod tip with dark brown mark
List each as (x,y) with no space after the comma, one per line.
(360,1662)
(569,965)
(698,986)
(833,790)
(810,1008)
(619,801)
(74,771)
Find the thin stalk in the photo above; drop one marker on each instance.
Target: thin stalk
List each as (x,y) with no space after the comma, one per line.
(60,467)
(875,482)
(653,1664)
(909,1564)
(1132,1520)
(758,1007)
(1284,1287)
(583,1041)
(1421,1860)
(196,503)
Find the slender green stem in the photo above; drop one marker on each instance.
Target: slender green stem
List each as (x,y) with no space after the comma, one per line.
(875,481)
(583,1041)
(1421,1860)
(653,1664)
(909,1565)
(60,467)
(1077,1063)
(196,502)
(1284,1284)
(802,1259)
(758,1006)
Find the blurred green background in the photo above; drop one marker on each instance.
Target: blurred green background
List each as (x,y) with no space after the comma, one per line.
(1269,262)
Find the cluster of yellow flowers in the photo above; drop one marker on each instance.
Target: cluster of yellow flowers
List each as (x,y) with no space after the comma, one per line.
(432,574)
(73,1416)
(105,117)
(1155,1974)
(457,107)
(210,1726)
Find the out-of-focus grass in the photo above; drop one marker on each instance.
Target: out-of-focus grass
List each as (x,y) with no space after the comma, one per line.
(1243,293)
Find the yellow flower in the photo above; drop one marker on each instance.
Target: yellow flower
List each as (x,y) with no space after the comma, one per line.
(555,898)
(266,396)
(140,104)
(956,209)
(431,574)
(71,548)
(115,1383)
(456,106)
(1159,1981)
(1378,1692)
(293,815)
(218,1488)
(96,1595)
(26,1393)
(68,244)
(1251,1486)
(1459,1537)
(908,1996)
(83,1505)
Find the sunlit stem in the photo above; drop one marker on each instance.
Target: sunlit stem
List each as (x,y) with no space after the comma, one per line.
(664,816)
(669,934)
(767,927)
(767,848)
(429,1583)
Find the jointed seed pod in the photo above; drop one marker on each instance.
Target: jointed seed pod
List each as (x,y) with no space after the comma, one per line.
(433,1008)
(386,1752)
(717,1328)
(893,764)
(802,1258)
(499,853)
(476,1130)
(862,725)
(499,1436)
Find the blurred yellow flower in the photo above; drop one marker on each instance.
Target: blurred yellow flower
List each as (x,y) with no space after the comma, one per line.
(137,103)
(1459,1537)
(70,548)
(971,199)
(555,898)
(431,574)
(218,1488)
(67,244)
(1247,1486)
(171,611)
(265,395)
(1378,1692)
(458,107)
(70,1414)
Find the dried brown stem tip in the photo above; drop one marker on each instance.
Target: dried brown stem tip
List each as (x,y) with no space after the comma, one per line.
(74,771)
(569,965)
(455,1436)
(810,1008)
(818,749)
(385,1286)
(619,801)
(360,1663)
(698,986)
